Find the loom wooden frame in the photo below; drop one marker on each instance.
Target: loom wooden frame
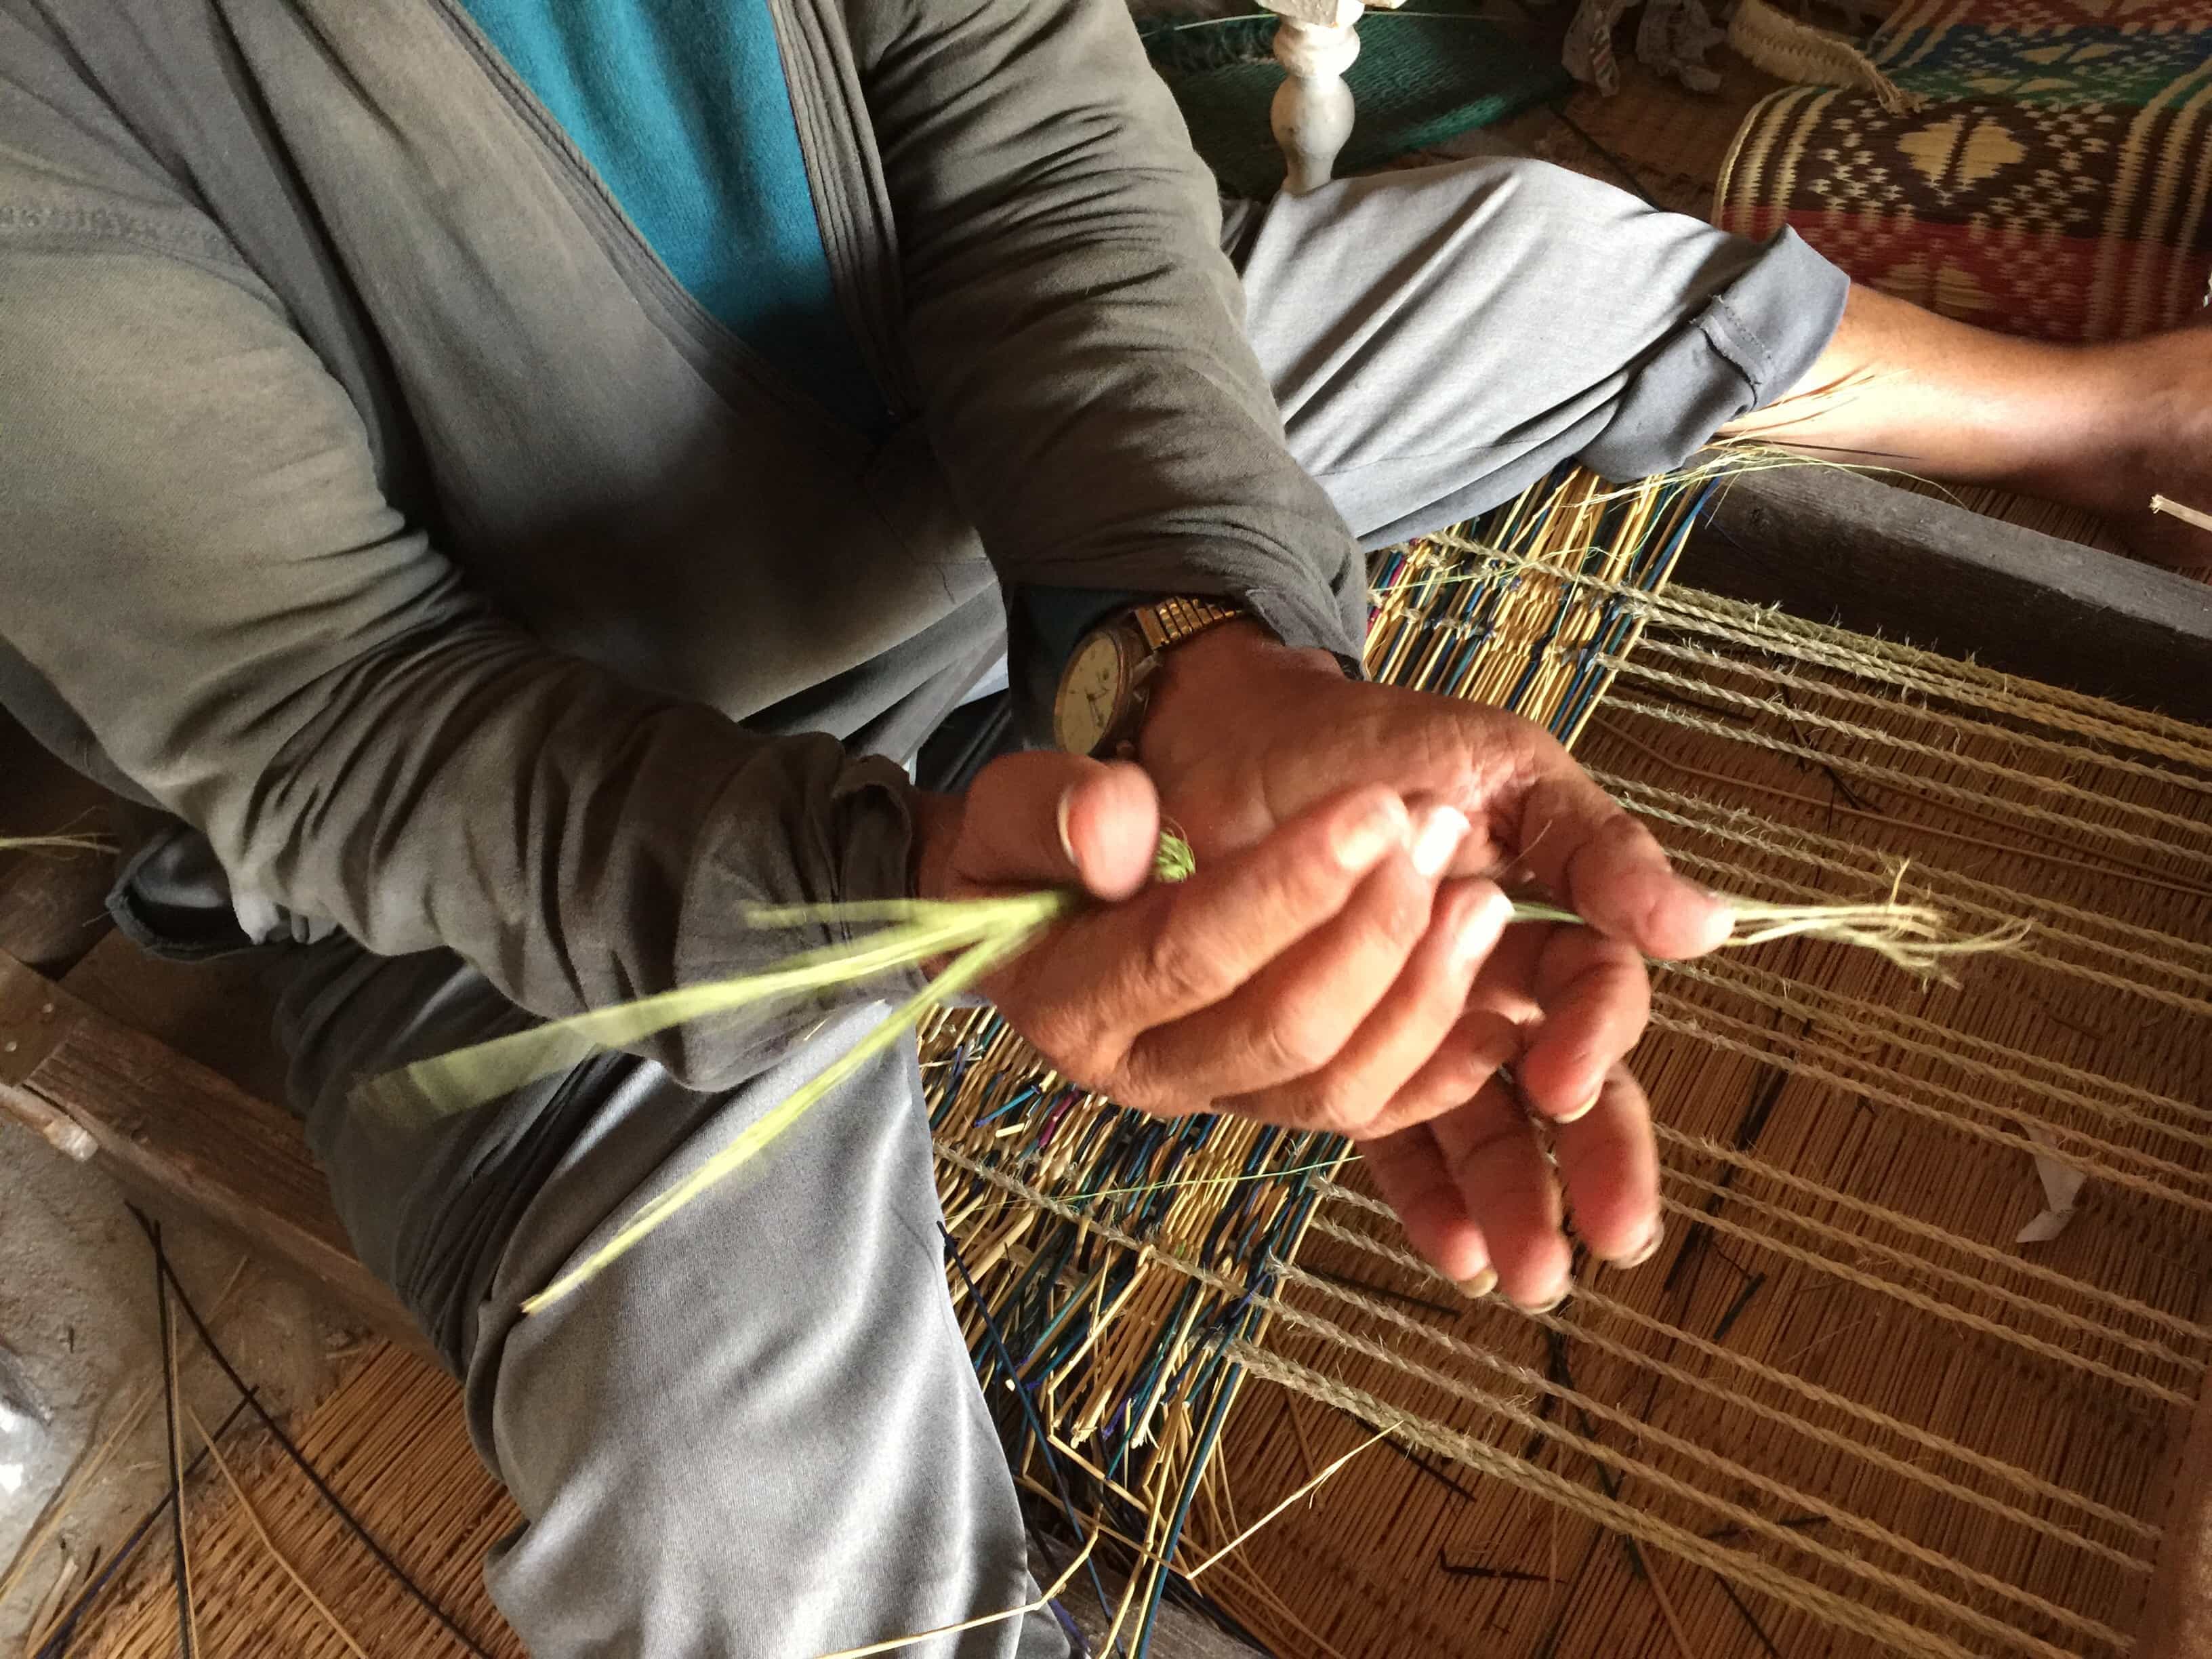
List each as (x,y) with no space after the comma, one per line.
(1833,545)
(181,1135)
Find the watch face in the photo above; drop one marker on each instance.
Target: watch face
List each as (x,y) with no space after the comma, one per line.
(1092,688)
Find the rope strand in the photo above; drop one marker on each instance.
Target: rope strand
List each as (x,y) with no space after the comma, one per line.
(2020,1480)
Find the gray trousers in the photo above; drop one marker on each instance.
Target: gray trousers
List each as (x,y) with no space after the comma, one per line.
(758,1433)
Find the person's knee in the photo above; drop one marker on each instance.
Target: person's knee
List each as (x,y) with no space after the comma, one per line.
(1755,335)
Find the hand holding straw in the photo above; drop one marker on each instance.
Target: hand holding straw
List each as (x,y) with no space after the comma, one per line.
(980,936)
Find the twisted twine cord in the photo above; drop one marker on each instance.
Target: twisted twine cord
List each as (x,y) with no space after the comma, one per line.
(2020,1480)
(1905,1294)
(2077,1148)
(1964,725)
(2052,849)
(1745,1568)
(1928,1305)
(1960,680)
(1995,771)
(1855,1017)
(2017,950)
(1989,1255)
(1806,846)
(1845,1520)
(1884,661)
(2147,1347)
(1897,778)
(1739,1566)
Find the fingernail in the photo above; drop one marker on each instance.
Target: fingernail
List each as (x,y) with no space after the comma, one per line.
(1722,925)
(1060,818)
(1436,839)
(1583,1110)
(1553,1303)
(1360,845)
(1481,1285)
(1649,1248)
(1478,930)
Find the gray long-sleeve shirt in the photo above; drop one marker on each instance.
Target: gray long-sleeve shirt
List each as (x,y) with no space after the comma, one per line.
(373,499)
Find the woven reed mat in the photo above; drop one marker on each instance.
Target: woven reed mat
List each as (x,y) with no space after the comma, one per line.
(1071,1219)
(2054,184)
(1843,1411)
(390,1441)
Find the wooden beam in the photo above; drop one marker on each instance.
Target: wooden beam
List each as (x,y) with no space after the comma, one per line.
(1838,546)
(171,1129)
(2177,1620)
(221,1013)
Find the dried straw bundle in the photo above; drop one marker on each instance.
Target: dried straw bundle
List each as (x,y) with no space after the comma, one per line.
(1797,51)
(53,844)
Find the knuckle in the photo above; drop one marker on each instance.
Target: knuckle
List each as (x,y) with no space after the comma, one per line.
(1342,1106)
(1276,1055)
(1140,1080)
(1136,1084)
(1063,1033)
(1293,1041)
(1142,1095)
(1085,1064)
(1491,1144)
(1173,967)
(1401,914)
(1298,893)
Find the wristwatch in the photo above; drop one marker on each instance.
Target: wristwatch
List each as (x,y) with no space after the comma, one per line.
(1108,680)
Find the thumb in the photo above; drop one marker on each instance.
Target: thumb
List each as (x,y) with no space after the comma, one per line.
(1041,818)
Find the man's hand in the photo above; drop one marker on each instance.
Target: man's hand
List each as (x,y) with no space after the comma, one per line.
(1243,734)
(1317,972)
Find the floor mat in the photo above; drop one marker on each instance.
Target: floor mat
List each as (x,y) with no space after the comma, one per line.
(391,1442)
(2053,182)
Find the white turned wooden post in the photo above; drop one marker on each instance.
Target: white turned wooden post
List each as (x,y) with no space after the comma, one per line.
(1312,111)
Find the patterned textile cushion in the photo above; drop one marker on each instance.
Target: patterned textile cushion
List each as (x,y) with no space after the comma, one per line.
(2054,181)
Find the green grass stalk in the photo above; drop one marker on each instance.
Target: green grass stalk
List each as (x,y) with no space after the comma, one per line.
(981,935)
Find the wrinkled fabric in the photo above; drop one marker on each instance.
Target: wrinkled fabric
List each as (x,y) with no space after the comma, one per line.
(374,501)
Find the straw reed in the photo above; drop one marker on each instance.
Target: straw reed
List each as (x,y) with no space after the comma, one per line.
(278,1573)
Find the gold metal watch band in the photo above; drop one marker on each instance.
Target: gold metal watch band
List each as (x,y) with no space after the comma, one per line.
(1168,622)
